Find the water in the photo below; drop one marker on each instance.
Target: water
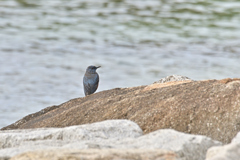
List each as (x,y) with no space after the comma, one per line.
(45,46)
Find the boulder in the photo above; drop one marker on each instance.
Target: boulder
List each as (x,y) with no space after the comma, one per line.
(236,139)
(98,154)
(111,134)
(13,142)
(209,107)
(226,152)
(186,146)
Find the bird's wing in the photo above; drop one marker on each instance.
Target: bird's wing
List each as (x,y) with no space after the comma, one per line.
(95,84)
(87,86)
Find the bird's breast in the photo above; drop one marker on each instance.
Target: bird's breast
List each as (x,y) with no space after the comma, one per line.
(90,78)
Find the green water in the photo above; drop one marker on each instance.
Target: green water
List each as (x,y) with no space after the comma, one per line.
(46,45)
(129,21)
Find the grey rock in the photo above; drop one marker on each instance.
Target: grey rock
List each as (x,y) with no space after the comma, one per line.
(173,78)
(236,139)
(186,146)
(111,134)
(227,152)
(13,142)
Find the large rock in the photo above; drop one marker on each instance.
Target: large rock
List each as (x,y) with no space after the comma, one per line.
(118,134)
(227,152)
(186,146)
(208,108)
(236,139)
(13,142)
(98,154)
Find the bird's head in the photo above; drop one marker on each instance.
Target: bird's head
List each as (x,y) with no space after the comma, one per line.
(92,69)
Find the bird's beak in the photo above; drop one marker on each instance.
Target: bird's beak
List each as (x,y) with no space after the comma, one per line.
(98,66)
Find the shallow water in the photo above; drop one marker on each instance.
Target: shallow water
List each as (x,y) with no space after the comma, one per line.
(45,46)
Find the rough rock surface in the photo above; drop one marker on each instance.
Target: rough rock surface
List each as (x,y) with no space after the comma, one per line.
(118,134)
(210,108)
(98,154)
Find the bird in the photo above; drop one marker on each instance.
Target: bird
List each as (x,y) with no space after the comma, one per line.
(90,80)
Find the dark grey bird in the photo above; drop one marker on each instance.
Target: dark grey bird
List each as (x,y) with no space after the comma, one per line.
(90,80)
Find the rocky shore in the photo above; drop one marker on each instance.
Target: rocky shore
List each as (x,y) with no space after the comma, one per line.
(173,118)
